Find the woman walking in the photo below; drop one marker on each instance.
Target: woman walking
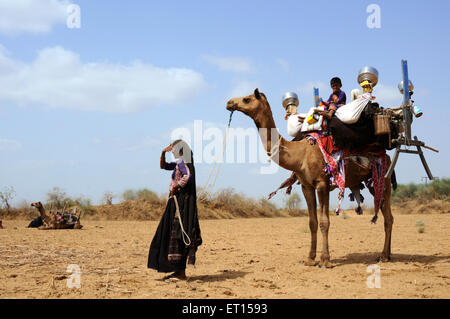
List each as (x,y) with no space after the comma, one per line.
(178,234)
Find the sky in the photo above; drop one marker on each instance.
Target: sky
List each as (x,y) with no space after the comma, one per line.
(89,109)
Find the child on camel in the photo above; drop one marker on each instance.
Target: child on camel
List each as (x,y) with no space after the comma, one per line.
(336,99)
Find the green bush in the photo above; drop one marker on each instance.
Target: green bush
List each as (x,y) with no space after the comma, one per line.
(56,198)
(85,204)
(129,194)
(437,189)
(148,195)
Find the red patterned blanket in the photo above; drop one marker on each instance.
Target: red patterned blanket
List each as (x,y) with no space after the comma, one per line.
(335,167)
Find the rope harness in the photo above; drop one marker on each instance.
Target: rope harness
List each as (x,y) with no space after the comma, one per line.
(203,191)
(275,150)
(184,235)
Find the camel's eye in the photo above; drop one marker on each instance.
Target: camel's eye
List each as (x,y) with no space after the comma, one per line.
(246,100)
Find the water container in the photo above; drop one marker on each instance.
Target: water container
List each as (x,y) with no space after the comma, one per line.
(368,73)
(381,124)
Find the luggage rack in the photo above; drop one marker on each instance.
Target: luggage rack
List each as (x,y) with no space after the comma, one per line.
(406,88)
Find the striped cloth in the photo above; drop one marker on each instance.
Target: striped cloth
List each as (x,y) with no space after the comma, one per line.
(334,159)
(335,166)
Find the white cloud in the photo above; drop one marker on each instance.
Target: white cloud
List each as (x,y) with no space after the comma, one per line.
(57,78)
(243,88)
(144,143)
(305,94)
(387,96)
(97,141)
(283,63)
(233,64)
(7,145)
(31,16)
(128,144)
(308,88)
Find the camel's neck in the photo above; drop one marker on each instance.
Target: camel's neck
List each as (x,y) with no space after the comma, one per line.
(42,211)
(276,146)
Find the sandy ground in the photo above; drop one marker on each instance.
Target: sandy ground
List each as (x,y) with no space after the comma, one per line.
(240,258)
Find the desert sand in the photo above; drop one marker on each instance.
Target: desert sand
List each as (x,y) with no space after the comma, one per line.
(240,258)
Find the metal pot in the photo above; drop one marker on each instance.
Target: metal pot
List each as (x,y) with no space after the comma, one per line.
(368,73)
(290,98)
(400,86)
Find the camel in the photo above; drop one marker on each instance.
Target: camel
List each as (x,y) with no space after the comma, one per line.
(307,162)
(50,221)
(45,218)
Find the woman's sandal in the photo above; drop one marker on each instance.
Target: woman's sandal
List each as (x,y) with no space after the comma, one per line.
(172,278)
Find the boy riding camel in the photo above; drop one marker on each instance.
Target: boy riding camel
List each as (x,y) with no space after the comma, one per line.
(336,99)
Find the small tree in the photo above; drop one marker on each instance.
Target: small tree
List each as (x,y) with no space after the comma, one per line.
(56,197)
(293,202)
(145,194)
(6,196)
(129,194)
(107,198)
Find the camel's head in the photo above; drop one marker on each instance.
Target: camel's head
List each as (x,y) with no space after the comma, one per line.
(37,205)
(251,105)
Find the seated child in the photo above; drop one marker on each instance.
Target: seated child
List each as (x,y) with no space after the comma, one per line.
(336,99)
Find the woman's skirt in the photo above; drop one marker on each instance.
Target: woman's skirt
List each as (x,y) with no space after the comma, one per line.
(167,252)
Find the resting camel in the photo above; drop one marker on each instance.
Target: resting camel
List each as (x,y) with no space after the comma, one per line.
(307,162)
(50,220)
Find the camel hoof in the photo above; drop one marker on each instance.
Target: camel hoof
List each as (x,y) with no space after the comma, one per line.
(384,258)
(326,264)
(310,262)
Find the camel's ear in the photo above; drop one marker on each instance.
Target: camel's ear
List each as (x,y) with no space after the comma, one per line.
(257,94)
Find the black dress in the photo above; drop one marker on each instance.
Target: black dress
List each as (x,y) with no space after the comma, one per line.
(168,238)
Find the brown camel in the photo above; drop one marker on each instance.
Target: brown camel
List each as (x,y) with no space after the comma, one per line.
(307,162)
(50,221)
(45,218)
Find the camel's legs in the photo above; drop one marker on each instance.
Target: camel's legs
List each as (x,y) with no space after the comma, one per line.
(46,228)
(388,220)
(310,197)
(324,201)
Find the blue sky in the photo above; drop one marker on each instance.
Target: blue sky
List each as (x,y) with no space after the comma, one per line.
(90,109)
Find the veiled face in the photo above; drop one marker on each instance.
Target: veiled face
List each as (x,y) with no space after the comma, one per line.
(290,110)
(175,154)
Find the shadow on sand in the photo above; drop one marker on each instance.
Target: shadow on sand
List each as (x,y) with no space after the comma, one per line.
(370,258)
(224,275)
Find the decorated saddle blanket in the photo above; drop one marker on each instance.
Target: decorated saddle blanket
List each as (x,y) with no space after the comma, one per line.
(337,160)
(65,217)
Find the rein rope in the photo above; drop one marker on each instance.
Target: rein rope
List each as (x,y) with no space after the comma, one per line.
(184,235)
(275,150)
(211,186)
